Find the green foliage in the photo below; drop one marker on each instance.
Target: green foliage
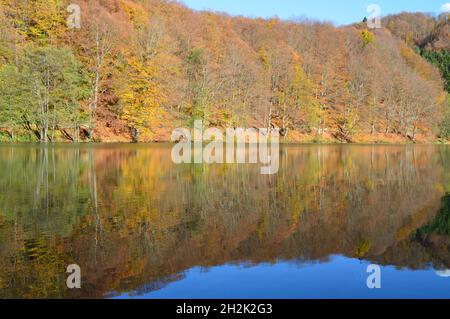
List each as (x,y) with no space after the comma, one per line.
(195,59)
(445,124)
(17,102)
(441,224)
(42,93)
(441,59)
(198,86)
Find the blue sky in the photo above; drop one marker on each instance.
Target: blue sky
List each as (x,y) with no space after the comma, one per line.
(339,12)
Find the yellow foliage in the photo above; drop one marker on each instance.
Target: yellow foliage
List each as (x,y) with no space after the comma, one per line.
(363,248)
(417,220)
(141,96)
(272,23)
(302,92)
(38,19)
(367,37)
(264,57)
(136,13)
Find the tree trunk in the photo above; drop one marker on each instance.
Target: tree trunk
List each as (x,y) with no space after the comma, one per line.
(94,104)
(134,134)
(10,134)
(269,120)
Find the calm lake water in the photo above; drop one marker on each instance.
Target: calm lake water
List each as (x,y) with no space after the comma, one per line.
(140,226)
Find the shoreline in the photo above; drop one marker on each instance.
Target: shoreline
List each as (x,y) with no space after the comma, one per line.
(289,143)
(294,138)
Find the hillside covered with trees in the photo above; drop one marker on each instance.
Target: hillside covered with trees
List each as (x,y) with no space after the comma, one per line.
(136,70)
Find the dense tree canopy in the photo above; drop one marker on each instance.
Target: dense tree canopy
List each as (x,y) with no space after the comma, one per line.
(41,93)
(135,70)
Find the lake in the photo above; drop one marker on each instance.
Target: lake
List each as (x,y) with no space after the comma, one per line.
(140,226)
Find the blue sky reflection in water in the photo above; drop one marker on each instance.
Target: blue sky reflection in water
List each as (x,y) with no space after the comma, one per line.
(340,277)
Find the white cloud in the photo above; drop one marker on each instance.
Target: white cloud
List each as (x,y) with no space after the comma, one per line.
(445,7)
(443,273)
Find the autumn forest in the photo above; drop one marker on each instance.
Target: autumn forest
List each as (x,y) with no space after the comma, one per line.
(136,70)
(89,87)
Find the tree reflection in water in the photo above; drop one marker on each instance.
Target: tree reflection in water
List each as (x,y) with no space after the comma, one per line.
(133,220)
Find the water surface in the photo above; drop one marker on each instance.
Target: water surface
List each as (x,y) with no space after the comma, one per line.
(140,226)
